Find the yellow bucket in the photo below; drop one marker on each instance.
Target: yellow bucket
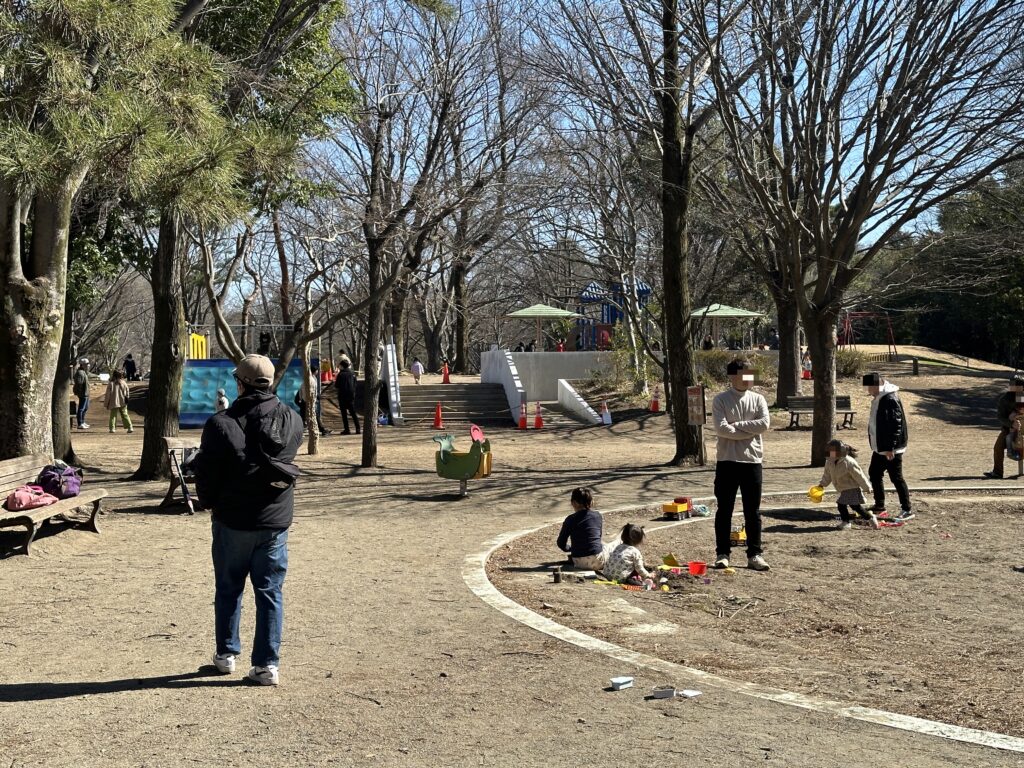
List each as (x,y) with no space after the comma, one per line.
(816,493)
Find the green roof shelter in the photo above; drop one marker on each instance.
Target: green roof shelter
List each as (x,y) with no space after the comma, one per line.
(718,312)
(541,312)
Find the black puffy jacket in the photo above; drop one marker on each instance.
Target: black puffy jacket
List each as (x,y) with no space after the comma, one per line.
(891,432)
(235,467)
(345,383)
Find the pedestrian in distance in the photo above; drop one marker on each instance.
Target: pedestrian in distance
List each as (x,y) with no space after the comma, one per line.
(345,384)
(1005,407)
(80,388)
(116,401)
(246,475)
(740,417)
(416,369)
(888,437)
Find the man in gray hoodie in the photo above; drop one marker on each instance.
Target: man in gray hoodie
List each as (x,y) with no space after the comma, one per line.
(888,437)
(740,417)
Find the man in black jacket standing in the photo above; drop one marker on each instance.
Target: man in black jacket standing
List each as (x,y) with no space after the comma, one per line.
(345,383)
(888,437)
(245,474)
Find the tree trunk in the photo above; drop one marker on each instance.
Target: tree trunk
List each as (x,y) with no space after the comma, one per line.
(789,350)
(676,167)
(821,341)
(309,388)
(168,355)
(61,413)
(32,314)
(398,312)
(371,373)
(458,278)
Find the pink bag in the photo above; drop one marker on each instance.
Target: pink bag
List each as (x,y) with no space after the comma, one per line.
(29,497)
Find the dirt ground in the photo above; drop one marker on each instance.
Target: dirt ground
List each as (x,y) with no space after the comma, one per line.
(388,659)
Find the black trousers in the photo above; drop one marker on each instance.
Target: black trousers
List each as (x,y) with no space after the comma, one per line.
(876,471)
(349,408)
(732,476)
(844,512)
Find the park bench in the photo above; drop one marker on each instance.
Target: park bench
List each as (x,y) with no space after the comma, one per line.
(24,471)
(176,448)
(804,406)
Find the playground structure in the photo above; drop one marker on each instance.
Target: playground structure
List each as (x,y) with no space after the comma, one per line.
(596,333)
(204,377)
(463,465)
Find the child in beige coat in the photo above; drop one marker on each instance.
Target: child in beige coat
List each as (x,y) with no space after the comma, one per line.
(843,471)
(116,401)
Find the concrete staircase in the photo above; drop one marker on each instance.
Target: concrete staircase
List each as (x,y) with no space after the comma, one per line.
(462,403)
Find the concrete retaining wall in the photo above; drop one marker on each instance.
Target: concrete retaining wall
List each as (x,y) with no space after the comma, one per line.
(572,403)
(539,372)
(498,367)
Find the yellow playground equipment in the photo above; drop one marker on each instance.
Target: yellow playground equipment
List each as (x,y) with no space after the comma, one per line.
(463,465)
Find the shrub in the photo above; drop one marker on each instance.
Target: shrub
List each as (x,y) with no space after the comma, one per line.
(850,363)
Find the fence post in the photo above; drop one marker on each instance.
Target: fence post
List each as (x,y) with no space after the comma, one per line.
(916,371)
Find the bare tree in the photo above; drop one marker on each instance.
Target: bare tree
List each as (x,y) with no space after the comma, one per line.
(866,117)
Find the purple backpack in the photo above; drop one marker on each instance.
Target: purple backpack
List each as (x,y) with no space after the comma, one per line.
(62,482)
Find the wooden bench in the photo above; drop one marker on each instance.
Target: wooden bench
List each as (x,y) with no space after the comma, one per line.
(24,471)
(801,406)
(176,447)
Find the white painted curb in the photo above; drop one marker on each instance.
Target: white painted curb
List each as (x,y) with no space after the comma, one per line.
(474,573)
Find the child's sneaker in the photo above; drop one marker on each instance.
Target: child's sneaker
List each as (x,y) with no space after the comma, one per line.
(873,522)
(224,662)
(263,675)
(844,525)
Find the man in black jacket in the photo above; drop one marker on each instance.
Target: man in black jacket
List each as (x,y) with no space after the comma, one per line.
(1005,407)
(888,437)
(345,383)
(246,476)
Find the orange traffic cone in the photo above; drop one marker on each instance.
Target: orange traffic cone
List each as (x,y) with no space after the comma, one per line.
(522,415)
(606,415)
(445,378)
(656,400)
(538,420)
(438,421)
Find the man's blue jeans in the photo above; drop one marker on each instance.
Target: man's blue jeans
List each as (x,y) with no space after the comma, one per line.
(262,556)
(83,406)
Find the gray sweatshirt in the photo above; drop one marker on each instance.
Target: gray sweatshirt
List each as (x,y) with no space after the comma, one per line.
(739,419)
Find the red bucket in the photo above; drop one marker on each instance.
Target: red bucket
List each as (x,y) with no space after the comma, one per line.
(697,567)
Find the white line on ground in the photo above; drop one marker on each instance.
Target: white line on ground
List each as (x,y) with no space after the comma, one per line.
(474,573)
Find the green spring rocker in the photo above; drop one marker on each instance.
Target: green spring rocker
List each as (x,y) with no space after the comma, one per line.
(463,465)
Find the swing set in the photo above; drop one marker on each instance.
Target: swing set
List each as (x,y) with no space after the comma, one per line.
(848,334)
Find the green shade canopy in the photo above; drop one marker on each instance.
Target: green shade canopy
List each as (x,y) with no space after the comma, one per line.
(542,312)
(721,311)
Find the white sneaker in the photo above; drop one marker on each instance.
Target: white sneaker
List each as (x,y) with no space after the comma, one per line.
(224,663)
(263,675)
(873,522)
(83,426)
(844,525)
(757,563)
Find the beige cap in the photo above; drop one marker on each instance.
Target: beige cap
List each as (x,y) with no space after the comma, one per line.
(255,371)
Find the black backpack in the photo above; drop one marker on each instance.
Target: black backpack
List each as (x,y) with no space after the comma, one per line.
(266,436)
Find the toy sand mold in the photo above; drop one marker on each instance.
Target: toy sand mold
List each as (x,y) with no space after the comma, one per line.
(463,465)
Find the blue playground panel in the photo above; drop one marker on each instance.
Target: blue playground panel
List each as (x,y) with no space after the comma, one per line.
(204,377)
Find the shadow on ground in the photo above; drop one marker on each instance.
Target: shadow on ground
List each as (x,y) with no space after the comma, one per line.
(17,692)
